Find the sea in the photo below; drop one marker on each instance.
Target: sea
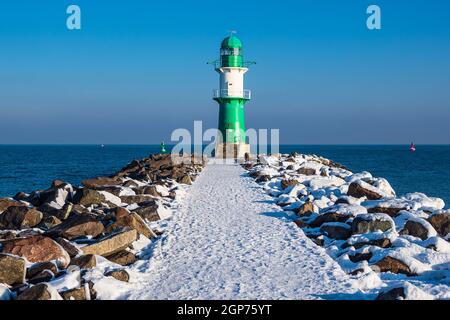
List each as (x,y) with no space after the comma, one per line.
(33,167)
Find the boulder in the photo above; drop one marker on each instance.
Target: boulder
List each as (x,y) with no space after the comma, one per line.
(38,249)
(186,179)
(5,203)
(134,221)
(112,243)
(392,294)
(328,217)
(88,197)
(361,189)
(37,268)
(49,222)
(141,198)
(382,243)
(121,275)
(336,230)
(37,292)
(389,264)
(151,190)
(416,229)
(441,223)
(305,209)
(77,226)
(390,211)
(148,211)
(87,261)
(124,258)
(60,212)
(43,276)
(71,249)
(307,171)
(19,217)
(100,182)
(358,257)
(75,294)
(300,223)
(56,196)
(12,269)
(120,212)
(285,183)
(365,223)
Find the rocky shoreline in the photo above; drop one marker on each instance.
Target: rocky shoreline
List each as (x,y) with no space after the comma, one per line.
(52,241)
(395,246)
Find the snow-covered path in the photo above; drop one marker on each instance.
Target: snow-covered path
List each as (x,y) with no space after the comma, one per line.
(229,241)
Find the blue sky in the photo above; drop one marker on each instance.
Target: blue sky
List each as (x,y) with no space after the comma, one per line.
(137,70)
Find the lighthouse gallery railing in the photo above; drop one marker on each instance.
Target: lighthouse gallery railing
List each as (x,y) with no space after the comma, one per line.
(225,93)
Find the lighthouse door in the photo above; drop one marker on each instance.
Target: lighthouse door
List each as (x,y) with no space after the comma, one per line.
(235,151)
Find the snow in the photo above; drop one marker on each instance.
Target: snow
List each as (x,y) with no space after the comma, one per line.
(111,198)
(228,240)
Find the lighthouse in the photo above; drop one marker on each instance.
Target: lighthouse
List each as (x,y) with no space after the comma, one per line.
(231,97)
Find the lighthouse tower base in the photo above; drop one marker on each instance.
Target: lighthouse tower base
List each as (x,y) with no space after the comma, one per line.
(232,150)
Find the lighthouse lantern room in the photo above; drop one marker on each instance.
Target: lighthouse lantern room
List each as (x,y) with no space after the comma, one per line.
(231,98)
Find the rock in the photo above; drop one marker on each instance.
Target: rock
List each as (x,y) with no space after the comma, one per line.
(100,182)
(49,222)
(121,275)
(141,198)
(20,196)
(365,223)
(390,211)
(300,223)
(120,212)
(75,294)
(7,235)
(305,209)
(43,276)
(5,203)
(358,257)
(112,243)
(389,264)
(150,190)
(38,249)
(134,221)
(62,213)
(382,243)
(37,292)
(71,249)
(148,211)
(263,178)
(186,179)
(441,223)
(328,217)
(362,189)
(307,171)
(19,217)
(37,268)
(124,258)
(87,261)
(77,226)
(416,229)
(285,183)
(336,230)
(392,294)
(88,197)
(12,269)
(55,196)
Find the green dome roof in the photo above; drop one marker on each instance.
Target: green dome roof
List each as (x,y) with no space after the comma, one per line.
(231,42)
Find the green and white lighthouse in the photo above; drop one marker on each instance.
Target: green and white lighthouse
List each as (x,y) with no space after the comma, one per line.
(231,97)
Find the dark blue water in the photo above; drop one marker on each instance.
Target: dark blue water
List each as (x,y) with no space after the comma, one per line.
(28,168)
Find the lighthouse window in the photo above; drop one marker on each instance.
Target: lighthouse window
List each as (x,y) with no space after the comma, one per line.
(230,52)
